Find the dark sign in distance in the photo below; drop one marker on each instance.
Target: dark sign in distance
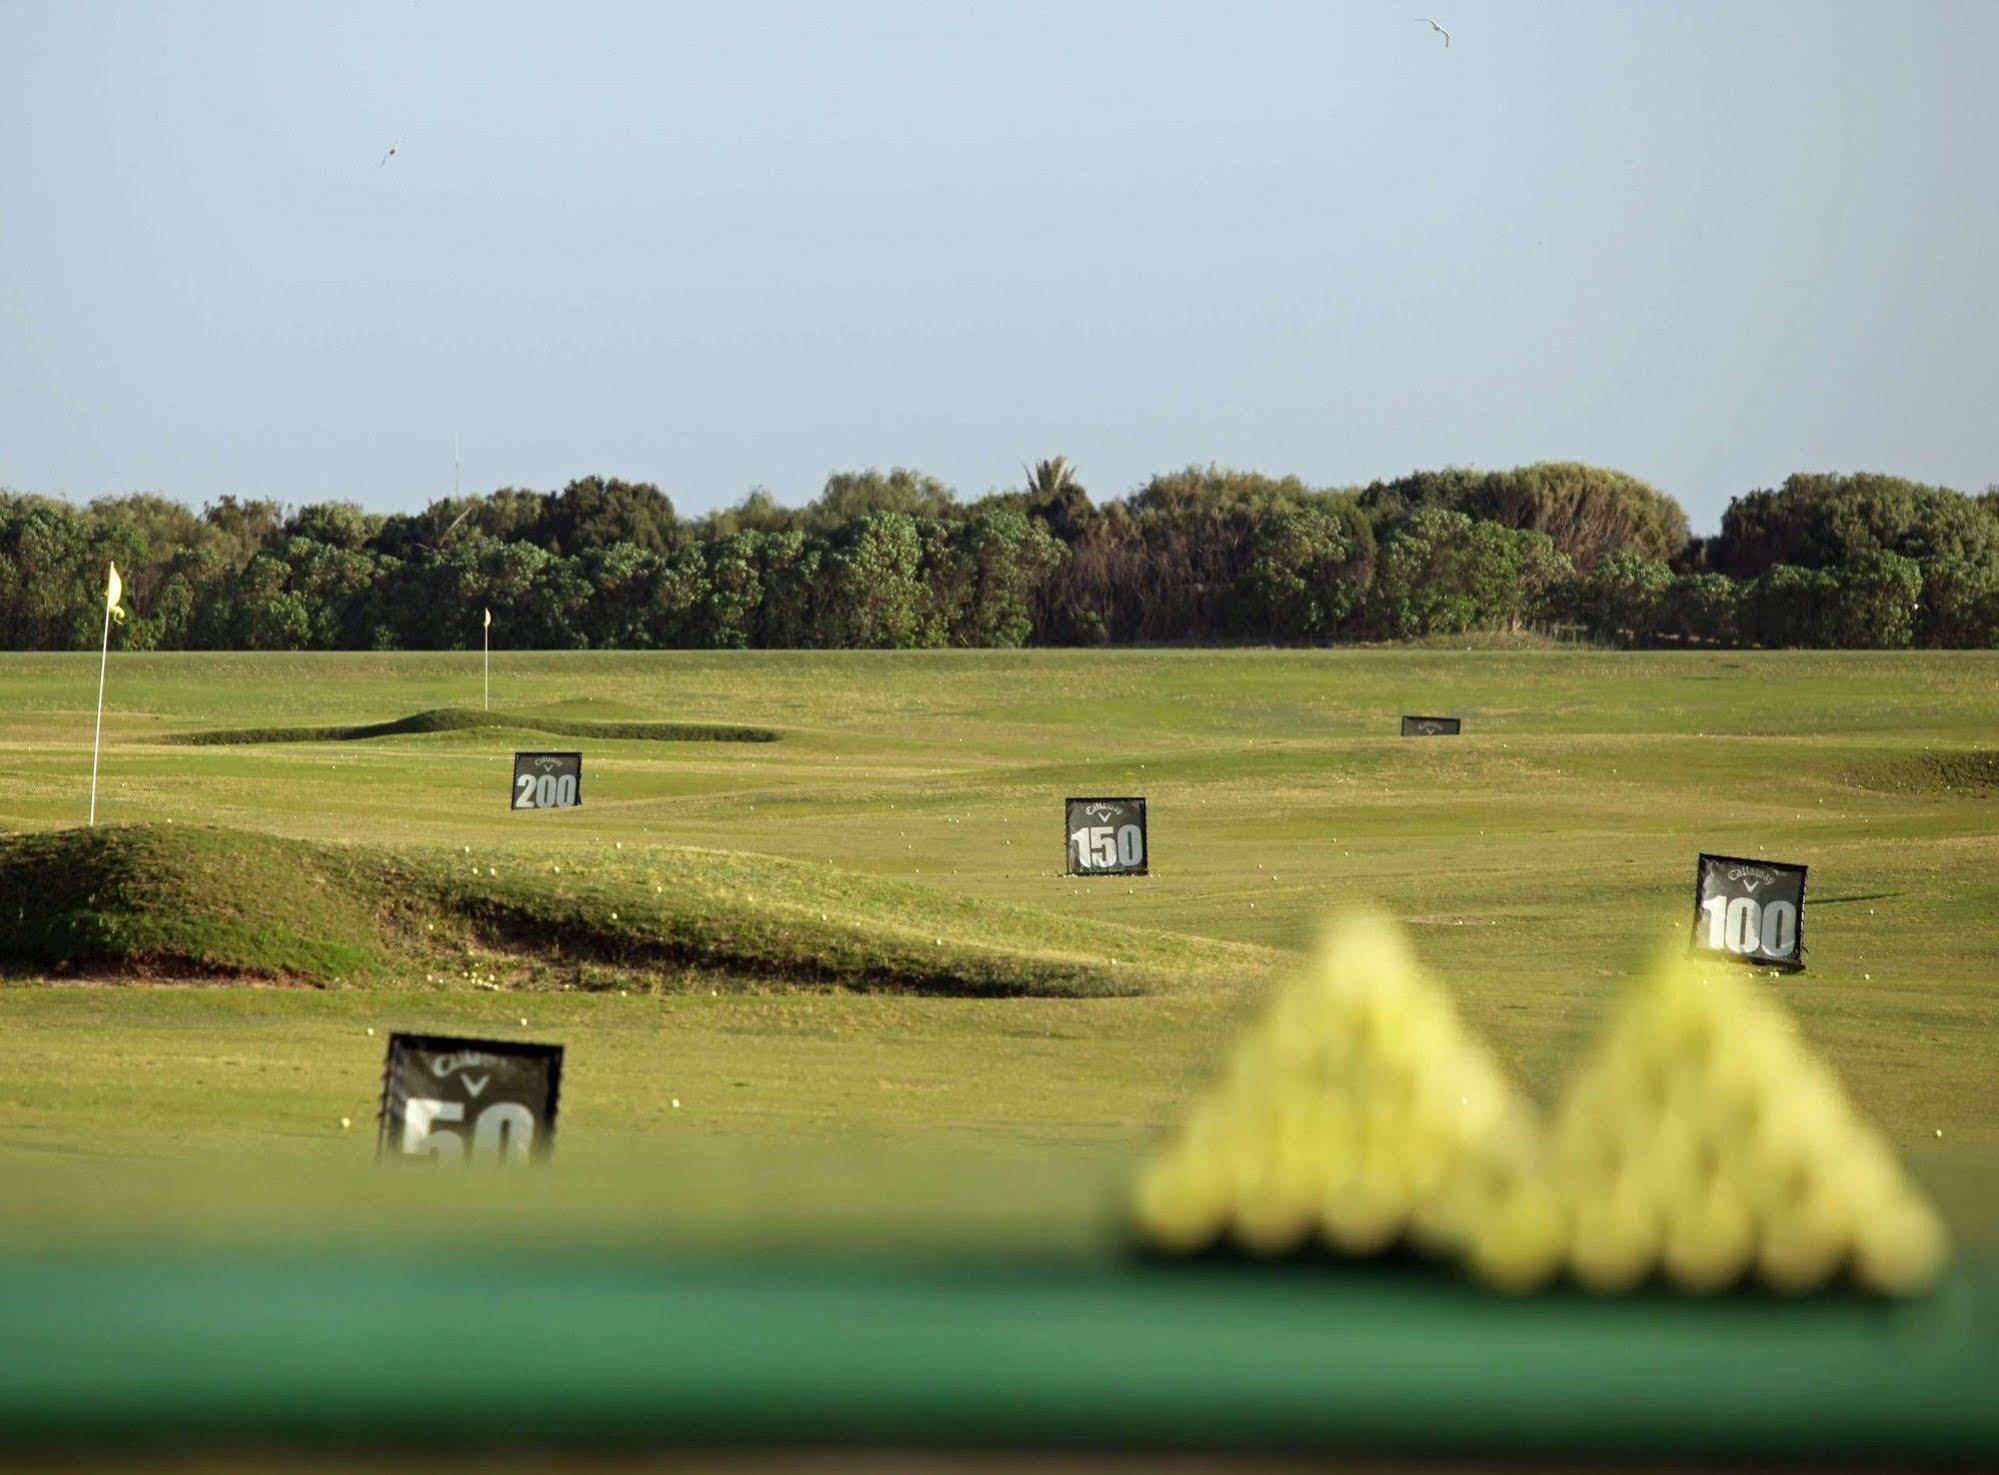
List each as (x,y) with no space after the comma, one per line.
(1432,726)
(472,1101)
(1753,910)
(548,780)
(1106,837)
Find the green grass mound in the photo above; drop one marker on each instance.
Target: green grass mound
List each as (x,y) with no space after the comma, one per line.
(179,901)
(1967,773)
(458,719)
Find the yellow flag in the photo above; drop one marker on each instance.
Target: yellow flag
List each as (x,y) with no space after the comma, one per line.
(113,593)
(489,619)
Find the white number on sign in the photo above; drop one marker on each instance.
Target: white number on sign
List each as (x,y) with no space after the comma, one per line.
(1740,925)
(546,791)
(1099,847)
(420,1139)
(503,1132)
(1095,846)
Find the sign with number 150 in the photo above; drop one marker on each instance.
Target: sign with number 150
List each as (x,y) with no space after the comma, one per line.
(1106,837)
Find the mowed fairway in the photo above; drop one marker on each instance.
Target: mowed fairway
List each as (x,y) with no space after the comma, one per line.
(1538,860)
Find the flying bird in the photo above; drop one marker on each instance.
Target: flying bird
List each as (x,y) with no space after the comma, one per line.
(1423,19)
(389,155)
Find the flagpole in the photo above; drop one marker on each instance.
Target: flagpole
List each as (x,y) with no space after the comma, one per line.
(97,738)
(488,633)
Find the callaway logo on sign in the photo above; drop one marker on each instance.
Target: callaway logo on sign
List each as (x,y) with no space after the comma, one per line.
(468,1100)
(1750,909)
(1432,726)
(548,780)
(1106,837)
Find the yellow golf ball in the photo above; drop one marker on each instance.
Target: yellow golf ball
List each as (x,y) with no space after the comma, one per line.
(1710,1240)
(1519,1245)
(1615,1236)
(1902,1250)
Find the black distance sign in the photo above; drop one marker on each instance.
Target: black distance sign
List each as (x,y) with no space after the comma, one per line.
(470,1101)
(1106,837)
(1432,726)
(548,780)
(1753,910)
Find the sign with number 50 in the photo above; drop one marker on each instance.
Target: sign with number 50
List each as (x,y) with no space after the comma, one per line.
(468,1101)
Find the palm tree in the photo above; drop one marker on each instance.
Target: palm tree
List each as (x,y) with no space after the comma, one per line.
(1049,479)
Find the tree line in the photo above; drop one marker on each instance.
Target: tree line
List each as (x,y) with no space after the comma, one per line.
(896,559)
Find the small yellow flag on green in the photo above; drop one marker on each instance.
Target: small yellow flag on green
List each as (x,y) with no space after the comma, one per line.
(113,592)
(489,619)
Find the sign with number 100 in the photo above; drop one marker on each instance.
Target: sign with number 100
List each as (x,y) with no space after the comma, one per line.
(1106,837)
(548,780)
(468,1101)
(1750,909)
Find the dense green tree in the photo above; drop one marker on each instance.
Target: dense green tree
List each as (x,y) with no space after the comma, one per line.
(999,556)
(850,496)
(1300,580)
(51,576)
(1703,608)
(596,512)
(1959,603)
(893,559)
(1442,573)
(244,529)
(1588,511)
(621,580)
(790,570)
(735,591)
(1875,602)
(874,595)
(341,525)
(1788,605)
(1624,599)
(1819,521)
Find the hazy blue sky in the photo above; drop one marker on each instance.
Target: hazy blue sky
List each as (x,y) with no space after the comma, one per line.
(719,245)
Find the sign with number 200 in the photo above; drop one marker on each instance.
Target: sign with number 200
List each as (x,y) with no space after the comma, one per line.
(548,780)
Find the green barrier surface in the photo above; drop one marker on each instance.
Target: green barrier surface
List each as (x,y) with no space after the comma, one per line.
(613,1350)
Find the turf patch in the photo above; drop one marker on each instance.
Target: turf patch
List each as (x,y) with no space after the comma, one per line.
(1966,773)
(457,719)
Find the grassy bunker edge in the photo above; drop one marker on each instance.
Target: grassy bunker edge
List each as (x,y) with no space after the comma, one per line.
(195,901)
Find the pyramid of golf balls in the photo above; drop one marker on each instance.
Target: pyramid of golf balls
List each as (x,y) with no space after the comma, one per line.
(1703,1143)
(1348,1116)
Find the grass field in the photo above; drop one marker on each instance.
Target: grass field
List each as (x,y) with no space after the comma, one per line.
(1536,859)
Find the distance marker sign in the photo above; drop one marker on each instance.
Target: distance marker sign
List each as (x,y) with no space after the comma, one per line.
(548,780)
(1750,909)
(1432,726)
(1106,837)
(478,1101)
